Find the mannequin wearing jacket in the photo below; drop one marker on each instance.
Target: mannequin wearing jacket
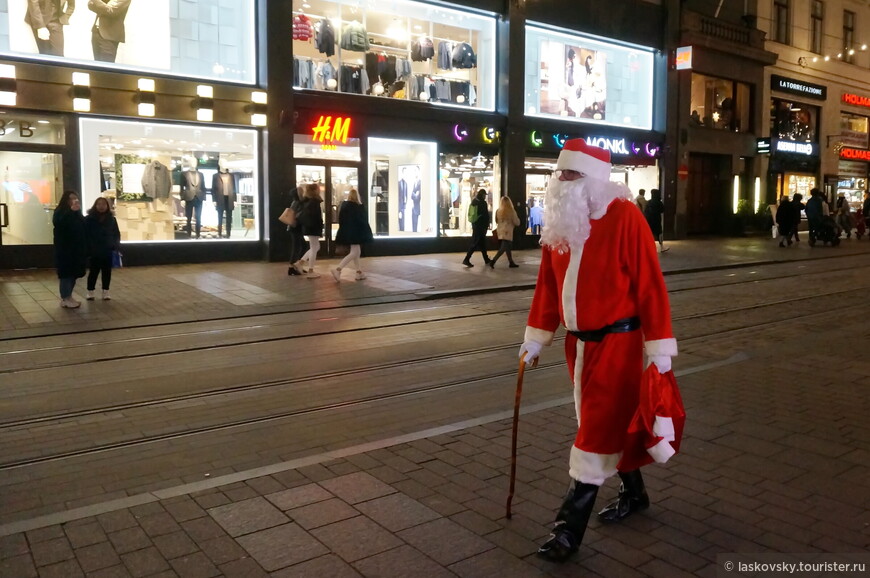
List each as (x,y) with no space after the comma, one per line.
(223,193)
(47,18)
(108,30)
(192,193)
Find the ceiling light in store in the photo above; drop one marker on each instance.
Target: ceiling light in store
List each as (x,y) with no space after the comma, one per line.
(44,122)
(81,91)
(8,85)
(397,30)
(145,97)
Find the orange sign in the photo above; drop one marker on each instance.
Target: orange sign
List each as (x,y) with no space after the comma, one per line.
(331,132)
(856,100)
(684,58)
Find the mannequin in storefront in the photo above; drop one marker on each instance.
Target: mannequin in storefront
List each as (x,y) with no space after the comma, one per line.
(47,18)
(403,197)
(192,193)
(108,30)
(223,193)
(416,195)
(444,202)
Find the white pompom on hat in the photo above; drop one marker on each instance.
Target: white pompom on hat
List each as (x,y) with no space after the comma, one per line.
(578,156)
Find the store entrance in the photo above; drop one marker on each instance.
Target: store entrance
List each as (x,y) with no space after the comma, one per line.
(538,173)
(707,194)
(29,192)
(335,180)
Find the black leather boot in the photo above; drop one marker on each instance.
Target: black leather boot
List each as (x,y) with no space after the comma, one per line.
(570,523)
(632,498)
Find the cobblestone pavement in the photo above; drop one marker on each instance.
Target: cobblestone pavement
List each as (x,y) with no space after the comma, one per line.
(775,459)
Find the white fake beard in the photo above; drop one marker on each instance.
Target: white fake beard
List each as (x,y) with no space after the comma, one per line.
(571,204)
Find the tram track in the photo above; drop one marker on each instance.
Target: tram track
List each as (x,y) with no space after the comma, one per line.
(70,418)
(7,358)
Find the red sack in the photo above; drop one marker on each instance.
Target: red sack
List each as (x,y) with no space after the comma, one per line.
(656,430)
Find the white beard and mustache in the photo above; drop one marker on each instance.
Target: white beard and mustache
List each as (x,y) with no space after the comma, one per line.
(571,204)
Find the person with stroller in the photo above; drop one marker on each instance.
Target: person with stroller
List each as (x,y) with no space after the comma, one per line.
(822,225)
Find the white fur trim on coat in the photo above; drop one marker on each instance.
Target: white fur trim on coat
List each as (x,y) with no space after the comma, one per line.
(661,347)
(578,372)
(569,289)
(590,468)
(583,163)
(539,335)
(664,428)
(661,452)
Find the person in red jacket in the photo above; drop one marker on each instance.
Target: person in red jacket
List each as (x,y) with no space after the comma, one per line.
(600,278)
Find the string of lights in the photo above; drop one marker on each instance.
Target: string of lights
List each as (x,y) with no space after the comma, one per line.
(814,58)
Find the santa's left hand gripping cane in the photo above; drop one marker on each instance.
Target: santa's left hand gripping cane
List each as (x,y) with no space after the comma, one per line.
(528,356)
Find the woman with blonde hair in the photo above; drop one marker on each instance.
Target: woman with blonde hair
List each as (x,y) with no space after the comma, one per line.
(506,219)
(311,218)
(353,230)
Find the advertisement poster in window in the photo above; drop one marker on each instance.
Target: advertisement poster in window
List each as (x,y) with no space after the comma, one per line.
(129,33)
(573,81)
(410,193)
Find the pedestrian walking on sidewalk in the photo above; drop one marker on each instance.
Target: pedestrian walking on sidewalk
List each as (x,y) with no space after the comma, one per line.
(103,238)
(844,215)
(298,245)
(506,220)
(311,220)
(478,215)
(70,246)
(353,230)
(797,207)
(784,220)
(653,212)
(600,278)
(641,200)
(816,210)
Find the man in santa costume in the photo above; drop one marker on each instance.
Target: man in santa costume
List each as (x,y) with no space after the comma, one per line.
(600,278)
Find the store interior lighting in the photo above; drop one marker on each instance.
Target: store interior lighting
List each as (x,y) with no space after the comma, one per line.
(81,91)
(8,85)
(145,97)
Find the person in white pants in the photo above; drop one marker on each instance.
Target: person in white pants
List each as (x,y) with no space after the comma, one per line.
(353,230)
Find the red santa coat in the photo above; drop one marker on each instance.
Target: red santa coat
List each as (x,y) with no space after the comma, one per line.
(614,275)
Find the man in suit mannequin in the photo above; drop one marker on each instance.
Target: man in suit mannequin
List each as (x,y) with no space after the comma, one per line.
(192,193)
(108,30)
(47,18)
(223,193)
(403,197)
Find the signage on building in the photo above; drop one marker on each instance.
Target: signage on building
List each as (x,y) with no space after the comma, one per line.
(856,99)
(854,169)
(794,86)
(683,60)
(331,131)
(795,147)
(851,154)
(621,146)
(762,146)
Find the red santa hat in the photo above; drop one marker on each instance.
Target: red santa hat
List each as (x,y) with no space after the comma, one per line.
(578,156)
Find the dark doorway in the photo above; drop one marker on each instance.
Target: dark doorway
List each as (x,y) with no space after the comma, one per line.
(708,194)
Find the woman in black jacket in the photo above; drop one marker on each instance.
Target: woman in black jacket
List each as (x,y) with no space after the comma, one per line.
(310,218)
(479,227)
(103,238)
(70,246)
(353,230)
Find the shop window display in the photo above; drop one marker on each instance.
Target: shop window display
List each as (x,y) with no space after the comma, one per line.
(460,177)
(403,188)
(577,77)
(173,182)
(719,103)
(205,39)
(793,121)
(854,130)
(402,49)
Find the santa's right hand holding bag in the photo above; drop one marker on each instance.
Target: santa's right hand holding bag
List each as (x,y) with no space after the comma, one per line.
(531,350)
(662,362)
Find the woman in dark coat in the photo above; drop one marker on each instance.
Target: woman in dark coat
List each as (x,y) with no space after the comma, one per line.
(310,218)
(353,230)
(653,212)
(70,246)
(103,238)
(479,229)
(298,245)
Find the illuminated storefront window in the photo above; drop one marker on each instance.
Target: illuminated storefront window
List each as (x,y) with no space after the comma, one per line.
(719,103)
(400,49)
(172,182)
(211,39)
(460,177)
(580,78)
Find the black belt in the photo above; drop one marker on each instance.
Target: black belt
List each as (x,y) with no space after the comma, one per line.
(618,326)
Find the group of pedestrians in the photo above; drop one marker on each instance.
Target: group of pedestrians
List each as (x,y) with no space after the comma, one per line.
(353,231)
(824,223)
(788,219)
(81,241)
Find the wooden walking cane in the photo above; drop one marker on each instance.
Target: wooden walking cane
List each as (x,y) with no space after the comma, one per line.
(519,396)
